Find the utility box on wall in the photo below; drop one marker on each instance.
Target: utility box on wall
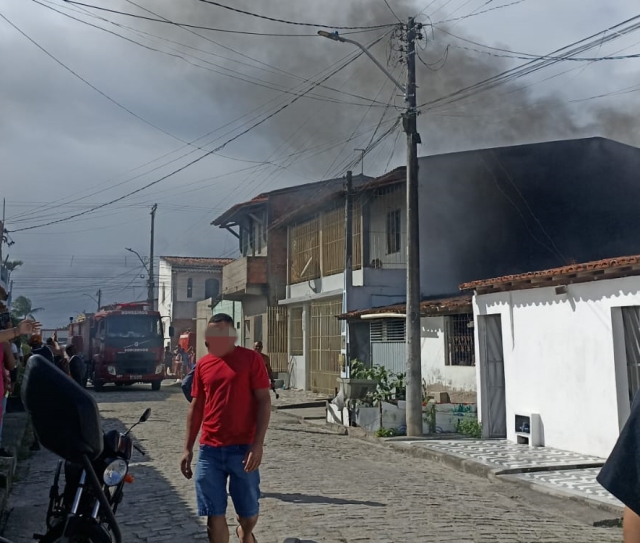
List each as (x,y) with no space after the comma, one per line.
(528,428)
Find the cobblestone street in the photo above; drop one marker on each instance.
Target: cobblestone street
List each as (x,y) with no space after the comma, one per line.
(317,486)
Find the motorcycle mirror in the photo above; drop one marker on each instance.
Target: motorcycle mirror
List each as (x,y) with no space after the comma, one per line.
(145,416)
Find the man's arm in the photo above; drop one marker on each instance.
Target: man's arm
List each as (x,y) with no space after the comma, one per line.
(631,526)
(194,423)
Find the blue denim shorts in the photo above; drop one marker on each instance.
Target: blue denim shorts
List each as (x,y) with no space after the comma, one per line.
(216,466)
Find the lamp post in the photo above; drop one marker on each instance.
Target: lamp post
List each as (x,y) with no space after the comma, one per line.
(409,117)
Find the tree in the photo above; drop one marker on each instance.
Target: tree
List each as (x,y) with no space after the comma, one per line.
(12,265)
(22,308)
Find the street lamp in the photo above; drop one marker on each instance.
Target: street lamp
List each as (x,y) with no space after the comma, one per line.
(139,257)
(414,363)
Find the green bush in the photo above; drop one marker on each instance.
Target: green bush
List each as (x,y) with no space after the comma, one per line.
(469,427)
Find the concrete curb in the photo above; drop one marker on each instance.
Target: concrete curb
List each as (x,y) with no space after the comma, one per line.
(472,467)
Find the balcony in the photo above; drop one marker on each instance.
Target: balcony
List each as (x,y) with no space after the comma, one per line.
(246,276)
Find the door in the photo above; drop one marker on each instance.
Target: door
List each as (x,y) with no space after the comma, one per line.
(631,322)
(495,405)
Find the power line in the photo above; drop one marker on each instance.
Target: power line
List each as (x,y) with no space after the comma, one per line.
(295,23)
(200,27)
(191,163)
(392,12)
(77,75)
(475,13)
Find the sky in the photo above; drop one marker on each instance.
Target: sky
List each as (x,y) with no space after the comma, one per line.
(104,113)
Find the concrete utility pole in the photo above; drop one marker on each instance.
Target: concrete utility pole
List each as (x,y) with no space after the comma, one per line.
(152,285)
(414,362)
(414,365)
(99,298)
(348,262)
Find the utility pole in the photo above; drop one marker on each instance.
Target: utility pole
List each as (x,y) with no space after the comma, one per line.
(409,121)
(362,153)
(348,267)
(414,362)
(151,295)
(4,210)
(99,298)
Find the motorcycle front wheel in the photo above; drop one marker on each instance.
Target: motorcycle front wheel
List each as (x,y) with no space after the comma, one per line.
(83,533)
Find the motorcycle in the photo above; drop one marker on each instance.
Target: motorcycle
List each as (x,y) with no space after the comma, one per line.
(67,422)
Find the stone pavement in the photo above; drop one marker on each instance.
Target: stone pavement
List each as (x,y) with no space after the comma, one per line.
(317,486)
(548,470)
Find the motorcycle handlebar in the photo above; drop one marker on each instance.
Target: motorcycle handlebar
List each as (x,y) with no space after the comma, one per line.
(104,502)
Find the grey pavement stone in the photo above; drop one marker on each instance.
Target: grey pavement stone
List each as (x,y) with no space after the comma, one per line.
(316,485)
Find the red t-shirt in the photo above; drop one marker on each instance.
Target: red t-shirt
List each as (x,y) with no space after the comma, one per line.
(227,384)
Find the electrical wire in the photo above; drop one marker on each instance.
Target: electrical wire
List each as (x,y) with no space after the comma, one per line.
(295,23)
(392,12)
(192,162)
(223,30)
(476,13)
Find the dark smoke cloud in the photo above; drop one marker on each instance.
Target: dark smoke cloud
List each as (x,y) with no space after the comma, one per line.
(501,116)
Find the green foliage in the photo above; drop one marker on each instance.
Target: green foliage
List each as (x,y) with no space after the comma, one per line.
(391,386)
(22,308)
(388,432)
(469,427)
(430,416)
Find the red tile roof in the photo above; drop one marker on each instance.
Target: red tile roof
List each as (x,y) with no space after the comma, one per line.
(608,268)
(441,306)
(203,263)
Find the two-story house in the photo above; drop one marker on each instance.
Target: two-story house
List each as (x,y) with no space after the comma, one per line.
(258,278)
(182,283)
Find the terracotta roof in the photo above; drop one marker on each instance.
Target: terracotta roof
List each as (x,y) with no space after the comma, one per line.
(608,268)
(203,263)
(440,306)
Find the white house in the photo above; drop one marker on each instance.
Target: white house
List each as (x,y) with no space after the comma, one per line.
(182,283)
(558,354)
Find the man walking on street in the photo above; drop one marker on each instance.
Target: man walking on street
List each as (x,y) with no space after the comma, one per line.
(258,347)
(231,406)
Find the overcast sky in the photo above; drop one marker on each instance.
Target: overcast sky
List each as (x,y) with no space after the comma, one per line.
(151,90)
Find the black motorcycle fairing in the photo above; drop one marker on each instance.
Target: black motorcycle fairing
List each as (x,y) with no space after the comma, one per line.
(65,416)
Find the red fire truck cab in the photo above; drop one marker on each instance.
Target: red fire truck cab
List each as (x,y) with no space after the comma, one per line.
(122,343)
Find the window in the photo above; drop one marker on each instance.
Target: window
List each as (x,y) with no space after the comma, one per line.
(460,341)
(386,330)
(297,336)
(190,288)
(394,228)
(211,288)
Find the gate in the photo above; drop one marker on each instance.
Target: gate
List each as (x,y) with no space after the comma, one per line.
(277,338)
(326,340)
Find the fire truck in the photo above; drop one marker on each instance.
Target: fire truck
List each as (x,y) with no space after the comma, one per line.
(122,344)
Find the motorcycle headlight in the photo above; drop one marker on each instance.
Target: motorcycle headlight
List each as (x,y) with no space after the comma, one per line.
(115,472)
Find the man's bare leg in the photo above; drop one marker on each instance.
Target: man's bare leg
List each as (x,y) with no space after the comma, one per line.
(631,526)
(245,531)
(218,529)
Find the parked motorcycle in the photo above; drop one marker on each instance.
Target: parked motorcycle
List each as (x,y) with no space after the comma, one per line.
(67,422)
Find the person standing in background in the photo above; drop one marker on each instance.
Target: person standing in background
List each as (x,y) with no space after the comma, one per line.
(258,347)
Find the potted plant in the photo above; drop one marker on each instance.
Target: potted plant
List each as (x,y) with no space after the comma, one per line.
(359,384)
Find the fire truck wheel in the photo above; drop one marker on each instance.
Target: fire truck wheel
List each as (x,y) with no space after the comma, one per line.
(156,385)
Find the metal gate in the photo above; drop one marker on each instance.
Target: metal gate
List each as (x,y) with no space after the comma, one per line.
(326,339)
(277,338)
(493,368)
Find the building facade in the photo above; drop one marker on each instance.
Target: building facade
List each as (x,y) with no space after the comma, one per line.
(182,283)
(559,354)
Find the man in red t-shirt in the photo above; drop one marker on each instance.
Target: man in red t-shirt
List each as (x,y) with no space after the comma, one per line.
(231,408)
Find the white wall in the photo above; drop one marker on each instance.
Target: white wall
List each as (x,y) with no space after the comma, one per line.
(433,354)
(165,307)
(560,362)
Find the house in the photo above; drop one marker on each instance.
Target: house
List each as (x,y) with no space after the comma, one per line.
(258,278)
(320,286)
(182,283)
(378,337)
(503,211)
(558,354)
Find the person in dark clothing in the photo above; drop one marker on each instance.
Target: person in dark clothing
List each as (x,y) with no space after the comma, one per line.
(621,473)
(77,367)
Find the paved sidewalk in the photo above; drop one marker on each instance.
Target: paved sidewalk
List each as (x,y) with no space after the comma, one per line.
(547,470)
